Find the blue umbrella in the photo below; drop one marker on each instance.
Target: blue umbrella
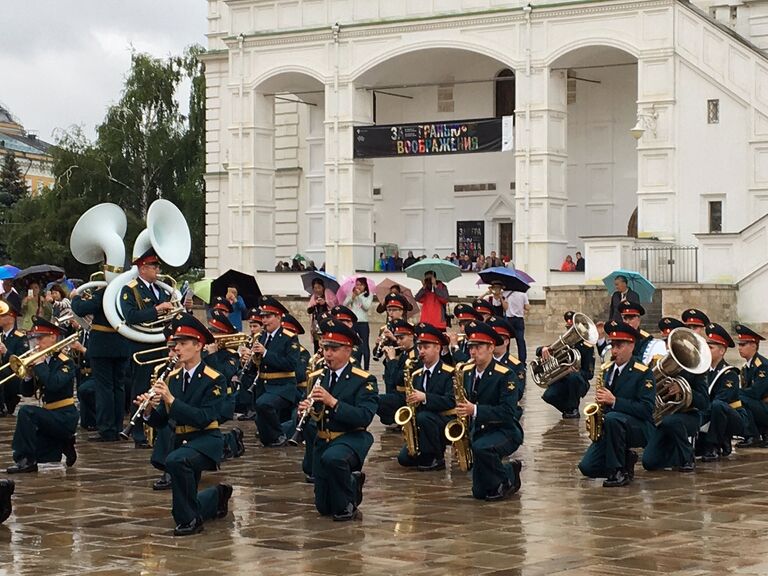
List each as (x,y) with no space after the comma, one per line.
(511,279)
(635,281)
(7,272)
(330,281)
(444,270)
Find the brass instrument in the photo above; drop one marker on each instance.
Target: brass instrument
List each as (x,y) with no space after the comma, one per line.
(150,352)
(405,417)
(457,430)
(21,365)
(295,440)
(165,371)
(378,348)
(254,362)
(178,306)
(564,357)
(231,340)
(593,412)
(687,351)
(68,316)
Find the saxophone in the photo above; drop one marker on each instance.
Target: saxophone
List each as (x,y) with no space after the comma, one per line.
(406,415)
(594,412)
(457,430)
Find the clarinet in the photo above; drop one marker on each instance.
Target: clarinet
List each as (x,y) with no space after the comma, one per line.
(126,432)
(295,439)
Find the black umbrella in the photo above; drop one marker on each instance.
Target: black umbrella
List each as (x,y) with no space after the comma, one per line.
(42,273)
(246,285)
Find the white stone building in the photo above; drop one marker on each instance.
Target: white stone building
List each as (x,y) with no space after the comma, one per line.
(638,125)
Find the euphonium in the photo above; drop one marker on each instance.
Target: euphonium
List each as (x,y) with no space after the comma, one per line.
(457,430)
(593,412)
(406,415)
(564,357)
(687,351)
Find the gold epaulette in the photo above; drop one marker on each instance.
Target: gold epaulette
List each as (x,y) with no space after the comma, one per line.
(360,372)
(413,354)
(640,366)
(644,334)
(289,333)
(447,368)
(19,333)
(174,372)
(63,357)
(210,372)
(758,362)
(418,371)
(500,368)
(314,374)
(513,360)
(468,366)
(132,284)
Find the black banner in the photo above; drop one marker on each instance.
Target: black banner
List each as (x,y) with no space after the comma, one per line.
(433,138)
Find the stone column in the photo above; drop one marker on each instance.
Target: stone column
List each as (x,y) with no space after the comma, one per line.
(540,156)
(348,183)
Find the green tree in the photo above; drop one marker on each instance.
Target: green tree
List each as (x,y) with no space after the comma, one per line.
(12,185)
(145,149)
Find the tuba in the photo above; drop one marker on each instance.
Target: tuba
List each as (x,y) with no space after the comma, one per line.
(98,235)
(457,430)
(406,415)
(167,232)
(564,357)
(687,351)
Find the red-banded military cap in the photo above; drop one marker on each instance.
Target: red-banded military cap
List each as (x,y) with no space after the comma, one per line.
(621,331)
(396,301)
(289,322)
(221,303)
(716,334)
(667,324)
(631,309)
(482,333)
(465,312)
(696,318)
(343,313)
(401,326)
(42,327)
(254,315)
(482,306)
(269,305)
(500,325)
(190,328)
(428,333)
(334,333)
(220,322)
(149,257)
(746,334)
(568,317)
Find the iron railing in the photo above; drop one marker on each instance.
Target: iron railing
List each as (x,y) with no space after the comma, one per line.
(667,263)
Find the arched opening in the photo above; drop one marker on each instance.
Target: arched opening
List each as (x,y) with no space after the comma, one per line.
(505,93)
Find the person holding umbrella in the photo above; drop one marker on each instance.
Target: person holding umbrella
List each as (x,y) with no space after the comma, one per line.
(433,296)
(320,302)
(33,304)
(238,307)
(359,300)
(10,294)
(623,293)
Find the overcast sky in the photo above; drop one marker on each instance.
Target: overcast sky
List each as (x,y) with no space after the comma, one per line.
(62,62)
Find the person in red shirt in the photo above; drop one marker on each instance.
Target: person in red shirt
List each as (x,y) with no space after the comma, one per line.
(433,296)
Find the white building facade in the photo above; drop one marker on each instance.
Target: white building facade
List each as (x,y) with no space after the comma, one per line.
(636,123)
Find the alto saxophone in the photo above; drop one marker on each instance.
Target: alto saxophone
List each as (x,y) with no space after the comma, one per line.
(405,416)
(593,412)
(457,430)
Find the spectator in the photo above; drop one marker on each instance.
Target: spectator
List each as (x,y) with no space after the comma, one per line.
(492,261)
(57,298)
(359,301)
(579,262)
(321,301)
(296,265)
(410,259)
(568,264)
(381,263)
(515,306)
(479,263)
(33,304)
(238,307)
(495,297)
(10,294)
(436,256)
(465,264)
(433,296)
(311,265)
(622,293)
(453,259)
(398,263)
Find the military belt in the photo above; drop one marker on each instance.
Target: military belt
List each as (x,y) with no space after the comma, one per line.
(276,375)
(328,435)
(100,328)
(735,405)
(59,404)
(190,429)
(302,384)
(450,412)
(400,388)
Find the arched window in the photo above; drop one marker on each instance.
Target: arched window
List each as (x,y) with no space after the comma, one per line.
(505,93)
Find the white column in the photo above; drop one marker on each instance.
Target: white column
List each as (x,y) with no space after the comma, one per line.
(348,183)
(540,196)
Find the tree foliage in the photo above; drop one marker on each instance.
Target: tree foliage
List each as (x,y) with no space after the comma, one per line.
(145,149)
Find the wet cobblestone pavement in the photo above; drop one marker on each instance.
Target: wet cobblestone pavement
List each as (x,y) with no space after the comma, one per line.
(101,517)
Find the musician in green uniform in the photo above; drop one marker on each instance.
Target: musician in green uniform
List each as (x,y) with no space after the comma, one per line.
(143,301)
(669,445)
(276,386)
(108,354)
(348,318)
(13,342)
(566,393)
(754,387)
(627,399)
(44,434)
(226,361)
(396,306)
(492,394)
(459,348)
(433,397)
(482,308)
(290,323)
(164,438)
(244,403)
(394,371)
(727,416)
(343,405)
(696,320)
(191,399)
(503,356)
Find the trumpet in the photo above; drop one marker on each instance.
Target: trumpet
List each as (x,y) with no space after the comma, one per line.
(125,433)
(295,439)
(21,365)
(150,352)
(232,340)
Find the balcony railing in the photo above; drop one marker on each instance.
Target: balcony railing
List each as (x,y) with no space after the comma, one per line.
(667,263)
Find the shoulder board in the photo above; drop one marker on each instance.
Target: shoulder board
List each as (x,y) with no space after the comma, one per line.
(360,372)
(758,362)
(63,357)
(413,353)
(132,284)
(418,371)
(210,372)
(19,333)
(315,374)
(513,360)
(639,366)
(289,333)
(174,372)
(468,367)
(447,368)
(644,334)
(606,365)
(500,368)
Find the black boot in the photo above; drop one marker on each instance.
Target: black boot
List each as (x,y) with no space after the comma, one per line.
(6,491)
(163,483)
(617,479)
(70,453)
(225,493)
(22,466)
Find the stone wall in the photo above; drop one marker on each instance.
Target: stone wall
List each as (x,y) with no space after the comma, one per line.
(718,301)
(594,301)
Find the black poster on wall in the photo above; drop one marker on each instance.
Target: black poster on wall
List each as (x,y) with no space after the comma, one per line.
(434,138)
(470,238)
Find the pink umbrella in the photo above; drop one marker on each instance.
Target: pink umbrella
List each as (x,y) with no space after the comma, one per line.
(346,288)
(384,288)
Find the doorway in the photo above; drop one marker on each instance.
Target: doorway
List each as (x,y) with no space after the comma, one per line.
(507,240)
